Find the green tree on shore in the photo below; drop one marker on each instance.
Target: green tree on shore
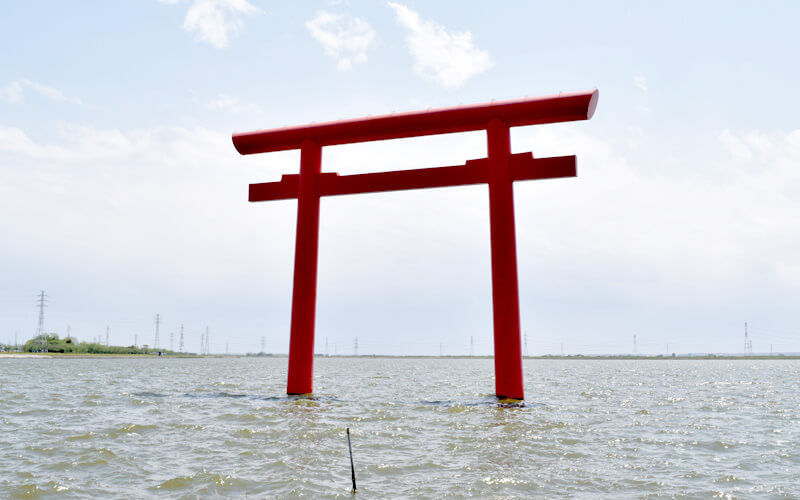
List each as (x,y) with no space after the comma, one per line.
(69,345)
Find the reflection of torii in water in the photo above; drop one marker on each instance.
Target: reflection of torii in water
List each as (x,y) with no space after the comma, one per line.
(499,171)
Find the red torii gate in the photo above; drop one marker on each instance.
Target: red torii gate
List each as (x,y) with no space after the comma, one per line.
(499,171)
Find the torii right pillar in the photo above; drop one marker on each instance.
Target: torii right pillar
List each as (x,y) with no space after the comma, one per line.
(505,287)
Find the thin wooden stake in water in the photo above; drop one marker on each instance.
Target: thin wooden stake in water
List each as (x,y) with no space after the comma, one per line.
(352,468)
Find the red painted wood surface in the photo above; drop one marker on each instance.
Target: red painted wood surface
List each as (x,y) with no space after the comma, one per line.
(523,167)
(529,111)
(304,296)
(505,290)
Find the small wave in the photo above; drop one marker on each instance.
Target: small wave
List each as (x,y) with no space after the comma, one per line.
(200,479)
(81,437)
(27,491)
(130,429)
(149,395)
(216,395)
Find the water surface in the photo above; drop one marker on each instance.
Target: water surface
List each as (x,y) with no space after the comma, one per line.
(187,428)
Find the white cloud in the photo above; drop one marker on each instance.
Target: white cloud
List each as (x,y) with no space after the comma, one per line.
(217,21)
(693,235)
(640,81)
(447,57)
(164,209)
(344,38)
(51,93)
(225,102)
(12,93)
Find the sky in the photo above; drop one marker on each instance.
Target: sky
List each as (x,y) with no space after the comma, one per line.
(122,197)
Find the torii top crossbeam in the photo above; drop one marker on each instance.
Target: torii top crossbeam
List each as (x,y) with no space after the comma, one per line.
(514,113)
(499,171)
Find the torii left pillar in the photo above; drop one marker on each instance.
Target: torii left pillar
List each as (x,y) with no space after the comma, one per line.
(304,297)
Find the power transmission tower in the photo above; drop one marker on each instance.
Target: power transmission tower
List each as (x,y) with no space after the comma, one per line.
(326,347)
(158,323)
(355,347)
(206,346)
(69,330)
(634,344)
(106,335)
(40,335)
(471,345)
(226,348)
(202,342)
(263,341)
(136,340)
(180,342)
(526,343)
(746,342)
(440,349)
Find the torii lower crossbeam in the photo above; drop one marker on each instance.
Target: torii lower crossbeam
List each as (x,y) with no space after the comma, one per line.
(499,170)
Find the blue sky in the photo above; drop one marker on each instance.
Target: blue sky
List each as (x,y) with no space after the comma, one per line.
(123,197)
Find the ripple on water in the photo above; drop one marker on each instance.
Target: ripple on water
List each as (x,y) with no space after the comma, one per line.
(129,429)
(204,482)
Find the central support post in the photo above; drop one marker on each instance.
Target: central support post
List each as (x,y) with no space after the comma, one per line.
(505,290)
(304,296)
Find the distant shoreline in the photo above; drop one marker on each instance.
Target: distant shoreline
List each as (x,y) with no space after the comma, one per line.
(19,355)
(577,357)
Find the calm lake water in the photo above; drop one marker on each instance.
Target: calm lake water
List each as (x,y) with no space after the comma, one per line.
(187,428)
